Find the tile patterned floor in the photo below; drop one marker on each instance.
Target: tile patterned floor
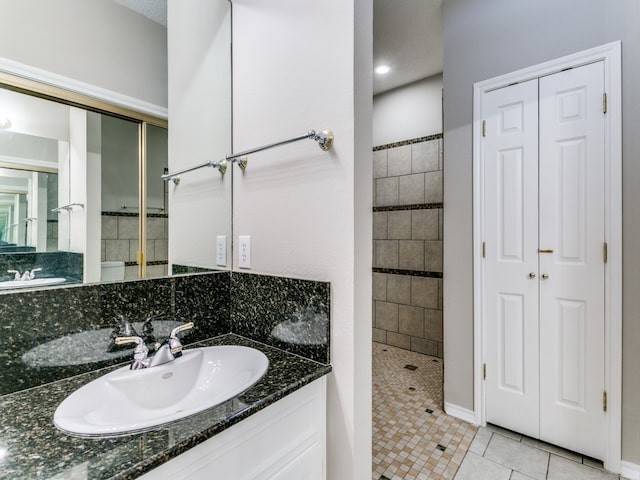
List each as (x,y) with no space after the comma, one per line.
(498,454)
(413,439)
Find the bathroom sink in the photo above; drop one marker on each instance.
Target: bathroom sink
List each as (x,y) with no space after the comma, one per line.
(128,401)
(36,282)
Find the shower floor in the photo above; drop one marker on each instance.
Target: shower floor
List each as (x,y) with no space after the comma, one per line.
(413,439)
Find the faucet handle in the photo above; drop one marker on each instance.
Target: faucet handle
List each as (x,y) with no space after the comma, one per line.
(140,353)
(16,274)
(174,342)
(32,274)
(180,328)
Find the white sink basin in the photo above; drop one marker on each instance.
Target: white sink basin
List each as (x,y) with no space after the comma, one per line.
(129,401)
(36,282)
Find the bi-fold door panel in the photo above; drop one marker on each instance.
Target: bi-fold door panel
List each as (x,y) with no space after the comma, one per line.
(511,232)
(543,289)
(572,277)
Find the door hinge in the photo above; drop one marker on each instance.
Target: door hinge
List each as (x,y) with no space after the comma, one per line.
(484,371)
(604,401)
(605,252)
(484,250)
(484,128)
(604,103)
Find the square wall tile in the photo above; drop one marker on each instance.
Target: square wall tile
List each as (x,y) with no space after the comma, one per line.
(387,316)
(399,289)
(433,324)
(386,254)
(127,227)
(379,336)
(379,286)
(399,225)
(411,189)
(156,228)
(425,156)
(411,255)
(387,191)
(424,292)
(433,187)
(426,347)
(411,320)
(399,340)
(117,250)
(380,225)
(380,164)
(399,161)
(433,256)
(424,224)
(109,227)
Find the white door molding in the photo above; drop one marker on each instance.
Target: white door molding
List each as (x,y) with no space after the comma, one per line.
(610,54)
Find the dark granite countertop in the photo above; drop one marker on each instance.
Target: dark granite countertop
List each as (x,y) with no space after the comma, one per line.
(32,447)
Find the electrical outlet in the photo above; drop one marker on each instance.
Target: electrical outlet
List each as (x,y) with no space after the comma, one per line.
(221,250)
(244,251)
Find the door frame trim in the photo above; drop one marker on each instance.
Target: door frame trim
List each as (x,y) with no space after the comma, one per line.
(611,55)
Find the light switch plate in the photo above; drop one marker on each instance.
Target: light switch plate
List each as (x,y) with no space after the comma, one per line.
(221,250)
(244,251)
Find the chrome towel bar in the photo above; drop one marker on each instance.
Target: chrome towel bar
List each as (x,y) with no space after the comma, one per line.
(68,207)
(324,139)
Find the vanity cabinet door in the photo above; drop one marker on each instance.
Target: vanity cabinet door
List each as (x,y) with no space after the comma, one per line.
(286,440)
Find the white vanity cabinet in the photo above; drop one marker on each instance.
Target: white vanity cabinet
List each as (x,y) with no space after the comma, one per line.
(285,441)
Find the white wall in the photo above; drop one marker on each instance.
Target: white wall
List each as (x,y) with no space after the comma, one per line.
(490,38)
(98,42)
(200,110)
(309,212)
(410,111)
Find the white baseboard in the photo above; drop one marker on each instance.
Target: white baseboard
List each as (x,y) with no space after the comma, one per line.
(630,470)
(459,412)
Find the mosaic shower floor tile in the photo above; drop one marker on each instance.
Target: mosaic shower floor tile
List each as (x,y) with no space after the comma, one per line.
(413,439)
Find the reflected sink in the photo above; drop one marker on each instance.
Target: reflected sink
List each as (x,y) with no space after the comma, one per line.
(36,282)
(130,401)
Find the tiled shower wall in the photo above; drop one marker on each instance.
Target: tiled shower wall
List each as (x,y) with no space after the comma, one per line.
(407,244)
(120,242)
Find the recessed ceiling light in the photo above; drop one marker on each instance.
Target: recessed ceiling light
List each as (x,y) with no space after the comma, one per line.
(382,69)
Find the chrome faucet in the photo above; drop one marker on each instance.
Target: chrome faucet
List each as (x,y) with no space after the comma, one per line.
(26,275)
(167,351)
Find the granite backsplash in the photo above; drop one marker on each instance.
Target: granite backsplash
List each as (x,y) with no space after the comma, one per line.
(60,332)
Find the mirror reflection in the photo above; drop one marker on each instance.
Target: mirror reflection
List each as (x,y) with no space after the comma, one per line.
(71,195)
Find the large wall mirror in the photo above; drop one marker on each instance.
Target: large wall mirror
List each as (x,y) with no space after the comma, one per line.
(71,194)
(81,194)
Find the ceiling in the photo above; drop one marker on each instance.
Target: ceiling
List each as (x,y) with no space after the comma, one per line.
(156,10)
(407,35)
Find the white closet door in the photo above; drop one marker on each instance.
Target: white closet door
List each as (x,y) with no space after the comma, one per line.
(511,234)
(572,277)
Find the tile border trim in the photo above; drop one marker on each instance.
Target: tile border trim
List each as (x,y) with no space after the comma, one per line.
(413,206)
(412,273)
(402,143)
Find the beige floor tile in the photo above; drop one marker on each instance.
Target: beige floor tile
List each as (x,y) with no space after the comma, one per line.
(563,469)
(517,456)
(475,467)
(410,429)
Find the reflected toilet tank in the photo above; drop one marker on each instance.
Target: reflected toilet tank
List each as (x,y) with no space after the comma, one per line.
(111,271)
